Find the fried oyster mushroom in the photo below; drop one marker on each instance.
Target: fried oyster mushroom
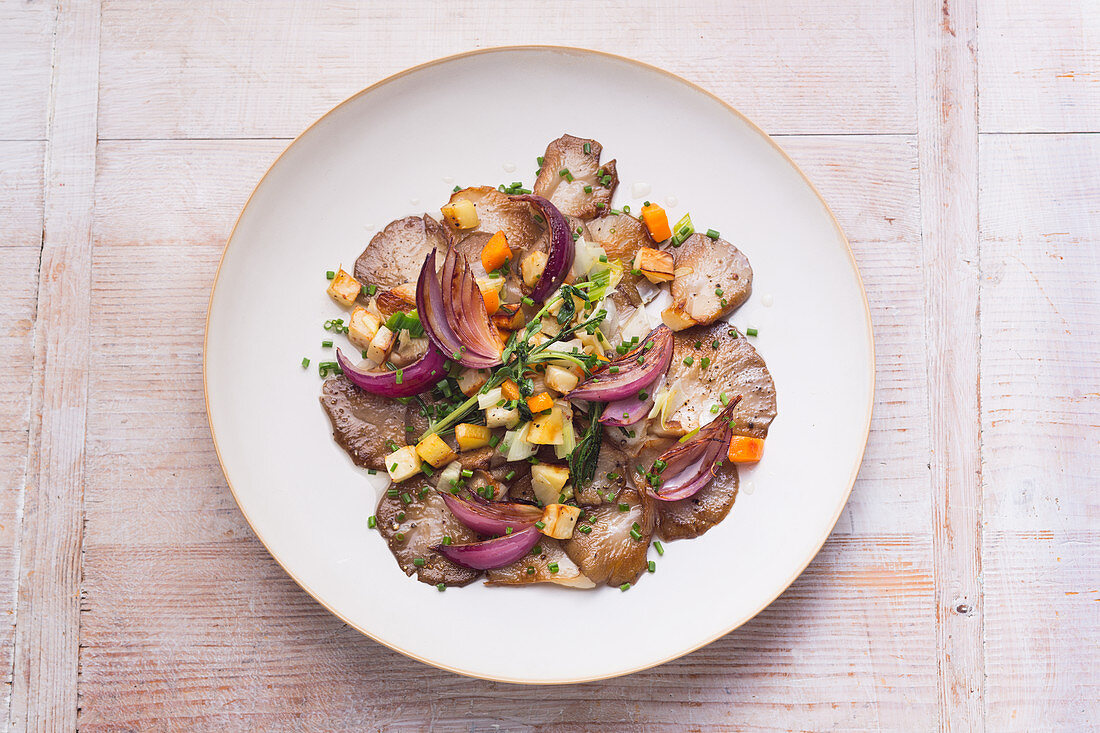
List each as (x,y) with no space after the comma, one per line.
(395,255)
(363,424)
(608,552)
(547,563)
(712,279)
(572,178)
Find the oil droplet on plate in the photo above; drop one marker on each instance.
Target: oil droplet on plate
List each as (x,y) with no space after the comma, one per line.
(509,167)
(641,189)
(448,180)
(672,202)
(414,202)
(767,300)
(749,488)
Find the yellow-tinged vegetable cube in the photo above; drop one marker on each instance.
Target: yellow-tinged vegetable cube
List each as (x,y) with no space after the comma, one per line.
(501,417)
(656,265)
(559,520)
(403,464)
(546,429)
(362,326)
(453,472)
(676,319)
(532,266)
(460,214)
(379,346)
(471,380)
(494,284)
(548,482)
(560,379)
(470,436)
(344,288)
(435,451)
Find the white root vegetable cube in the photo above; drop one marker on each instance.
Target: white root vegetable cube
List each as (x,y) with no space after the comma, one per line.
(489,399)
(532,267)
(379,347)
(501,417)
(362,327)
(560,379)
(657,266)
(435,451)
(548,482)
(560,519)
(470,436)
(460,214)
(546,429)
(471,380)
(344,288)
(487,284)
(403,464)
(676,319)
(453,472)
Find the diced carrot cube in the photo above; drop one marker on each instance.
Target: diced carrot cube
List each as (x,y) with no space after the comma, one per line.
(656,220)
(540,402)
(746,450)
(495,252)
(510,390)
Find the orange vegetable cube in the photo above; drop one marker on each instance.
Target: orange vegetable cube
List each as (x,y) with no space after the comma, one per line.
(495,252)
(510,390)
(540,402)
(746,450)
(656,220)
(492,301)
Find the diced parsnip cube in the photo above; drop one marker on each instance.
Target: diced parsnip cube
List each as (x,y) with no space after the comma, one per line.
(362,326)
(485,284)
(516,444)
(471,380)
(489,399)
(547,481)
(460,214)
(676,319)
(470,436)
(509,317)
(435,451)
(560,379)
(657,266)
(501,417)
(568,440)
(379,346)
(559,520)
(344,288)
(403,463)
(532,267)
(546,429)
(453,472)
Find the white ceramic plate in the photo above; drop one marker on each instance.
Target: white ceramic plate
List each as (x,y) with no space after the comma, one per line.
(398,148)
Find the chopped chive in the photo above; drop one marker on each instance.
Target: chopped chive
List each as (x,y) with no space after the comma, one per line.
(441,587)
(601,205)
(540,525)
(372,522)
(392,493)
(364,353)
(407,498)
(659,547)
(508,530)
(712,233)
(689,436)
(400,536)
(636,535)
(588,189)
(624,507)
(418,562)
(688,361)
(624,587)
(530,569)
(372,472)
(456,189)
(725,398)
(536,550)
(540,160)
(603,258)
(446,539)
(587,148)
(626,208)
(704,362)
(510,475)
(652,566)
(715,344)
(427,469)
(585,529)
(552,567)
(330,275)
(718,292)
(613,370)
(751,331)
(466,473)
(714,409)
(528,301)
(659,465)
(643,395)
(305,362)
(326,344)
(563,172)
(493,441)
(400,376)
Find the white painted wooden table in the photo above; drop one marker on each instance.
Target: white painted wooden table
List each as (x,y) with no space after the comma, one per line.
(957,141)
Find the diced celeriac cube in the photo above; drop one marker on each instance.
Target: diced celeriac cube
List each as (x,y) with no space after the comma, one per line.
(547,481)
(453,472)
(501,417)
(460,214)
(560,379)
(546,429)
(532,266)
(362,326)
(470,436)
(471,380)
(435,451)
(559,520)
(516,444)
(344,288)
(403,463)
(379,346)
(485,284)
(656,265)
(489,399)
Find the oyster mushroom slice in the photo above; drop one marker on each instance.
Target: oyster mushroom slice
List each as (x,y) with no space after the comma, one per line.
(363,424)
(581,158)
(712,279)
(608,553)
(537,569)
(396,254)
(412,523)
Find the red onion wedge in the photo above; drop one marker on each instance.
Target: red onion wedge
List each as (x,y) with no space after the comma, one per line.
(494,553)
(454,314)
(625,376)
(627,411)
(417,377)
(691,466)
(562,249)
(492,517)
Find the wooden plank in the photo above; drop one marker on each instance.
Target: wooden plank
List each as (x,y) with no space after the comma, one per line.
(948,144)
(1039,66)
(21,193)
(44,679)
(26,34)
(258,651)
(181,68)
(1040,322)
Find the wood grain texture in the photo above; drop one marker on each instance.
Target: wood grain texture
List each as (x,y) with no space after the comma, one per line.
(26,40)
(1041,428)
(169,63)
(44,677)
(948,115)
(21,192)
(1039,66)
